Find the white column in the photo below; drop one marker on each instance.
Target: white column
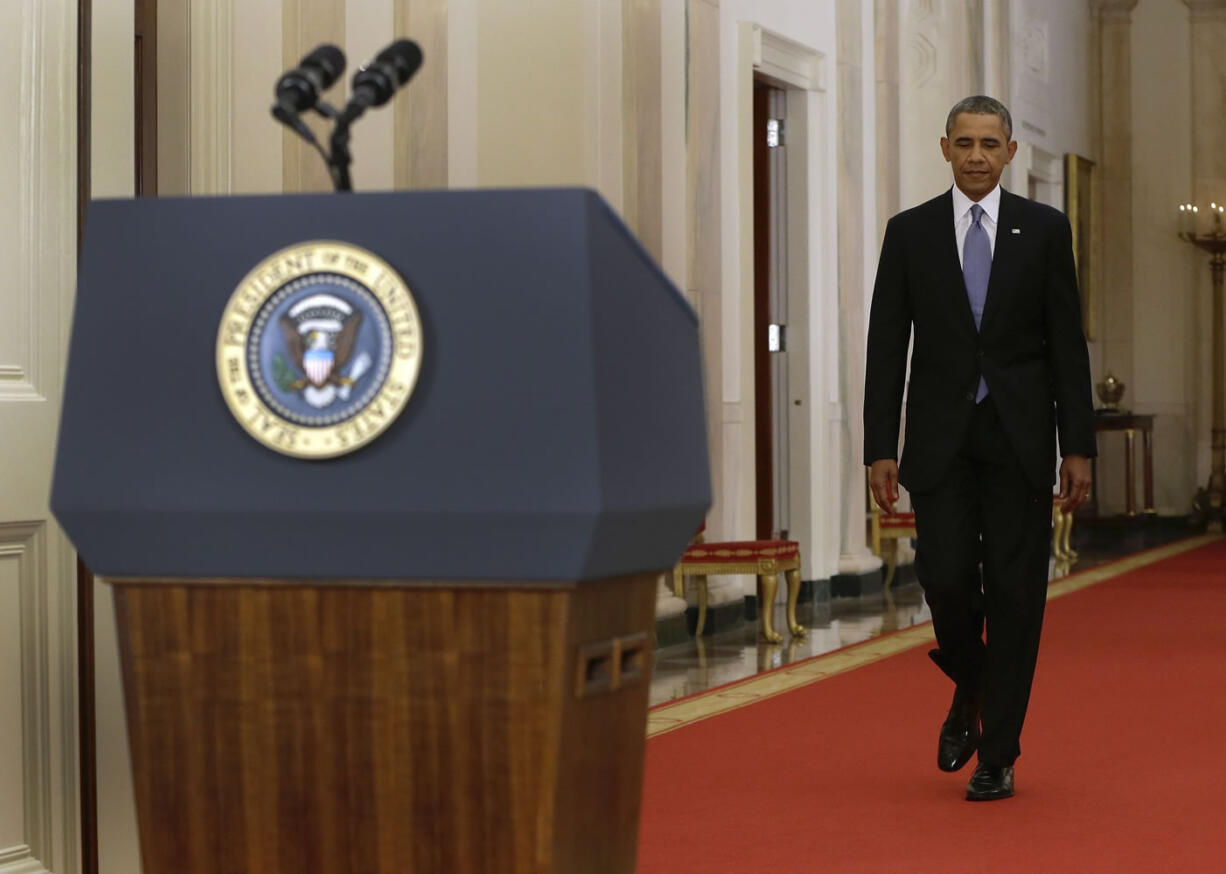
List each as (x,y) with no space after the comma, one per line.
(857,251)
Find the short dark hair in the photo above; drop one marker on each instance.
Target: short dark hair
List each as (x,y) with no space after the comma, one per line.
(981,104)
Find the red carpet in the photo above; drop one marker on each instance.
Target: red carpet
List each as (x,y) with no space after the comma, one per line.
(1123,763)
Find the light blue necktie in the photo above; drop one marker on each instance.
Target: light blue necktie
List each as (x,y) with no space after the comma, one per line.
(976,268)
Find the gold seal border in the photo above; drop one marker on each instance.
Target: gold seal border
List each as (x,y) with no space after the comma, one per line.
(264,280)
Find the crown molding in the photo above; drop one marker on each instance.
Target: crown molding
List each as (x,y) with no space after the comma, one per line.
(1113,10)
(1206,10)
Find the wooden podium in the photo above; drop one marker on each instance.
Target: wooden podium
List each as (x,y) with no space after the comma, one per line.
(432,654)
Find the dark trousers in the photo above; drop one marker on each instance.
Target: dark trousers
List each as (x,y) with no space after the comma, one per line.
(983,540)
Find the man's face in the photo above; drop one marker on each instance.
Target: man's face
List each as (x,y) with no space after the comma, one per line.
(978,151)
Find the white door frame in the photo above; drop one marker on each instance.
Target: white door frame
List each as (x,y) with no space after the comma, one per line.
(813,347)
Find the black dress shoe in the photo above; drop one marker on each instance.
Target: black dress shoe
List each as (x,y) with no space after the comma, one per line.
(959,733)
(990,784)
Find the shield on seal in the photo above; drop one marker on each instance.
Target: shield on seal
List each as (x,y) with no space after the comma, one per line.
(318,365)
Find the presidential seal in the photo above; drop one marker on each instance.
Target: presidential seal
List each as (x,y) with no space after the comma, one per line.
(319,349)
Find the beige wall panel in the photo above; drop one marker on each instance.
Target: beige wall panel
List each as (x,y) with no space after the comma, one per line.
(421,114)
(112,165)
(112,174)
(1116,186)
(256,139)
(174,104)
(531,93)
(887,57)
(1167,275)
(211,96)
(604,128)
(673,181)
(703,208)
(306,24)
(462,90)
(642,120)
(368,29)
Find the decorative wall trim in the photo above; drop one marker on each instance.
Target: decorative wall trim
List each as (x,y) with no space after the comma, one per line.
(46,205)
(1206,10)
(787,61)
(212,48)
(25,544)
(462,54)
(14,854)
(305,24)
(17,860)
(704,245)
(673,216)
(642,121)
(1116,10)
(421,115)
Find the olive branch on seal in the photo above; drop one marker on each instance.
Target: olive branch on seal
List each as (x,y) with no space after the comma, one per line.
(286,378)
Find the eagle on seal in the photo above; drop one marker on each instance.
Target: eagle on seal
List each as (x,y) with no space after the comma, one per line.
(320,335)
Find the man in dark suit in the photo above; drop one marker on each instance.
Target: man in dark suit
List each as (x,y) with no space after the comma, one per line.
(987,281)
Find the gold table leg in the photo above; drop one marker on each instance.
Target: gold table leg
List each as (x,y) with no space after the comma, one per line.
(793,578)
(1130,486)
(1058,523)
(768,587)
(889,554)
(701,583)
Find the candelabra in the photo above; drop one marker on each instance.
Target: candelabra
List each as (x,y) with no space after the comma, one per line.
(1207,506)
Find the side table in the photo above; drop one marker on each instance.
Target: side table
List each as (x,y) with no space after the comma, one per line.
(1130,424)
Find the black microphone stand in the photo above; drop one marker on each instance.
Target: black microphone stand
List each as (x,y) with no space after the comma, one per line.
(339,158)
(374,85)
(338,163)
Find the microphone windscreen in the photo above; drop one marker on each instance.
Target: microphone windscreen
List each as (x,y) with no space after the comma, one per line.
(404,56)
(329,61)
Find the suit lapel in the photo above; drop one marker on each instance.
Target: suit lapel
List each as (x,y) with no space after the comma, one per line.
(947,245)
(1003,256)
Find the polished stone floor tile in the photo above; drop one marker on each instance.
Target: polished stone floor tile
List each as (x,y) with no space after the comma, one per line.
(717,659)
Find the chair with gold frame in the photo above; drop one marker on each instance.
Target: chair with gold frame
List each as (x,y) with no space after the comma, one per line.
(765,559)
(884,532)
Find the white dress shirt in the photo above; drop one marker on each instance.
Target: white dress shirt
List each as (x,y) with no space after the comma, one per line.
(962,216)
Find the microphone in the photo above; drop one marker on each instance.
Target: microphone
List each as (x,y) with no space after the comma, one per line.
(299,89)
(375,83)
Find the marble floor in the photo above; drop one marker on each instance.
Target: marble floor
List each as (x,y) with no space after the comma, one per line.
(717,659)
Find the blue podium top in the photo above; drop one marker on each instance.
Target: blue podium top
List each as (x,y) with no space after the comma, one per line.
(556,433)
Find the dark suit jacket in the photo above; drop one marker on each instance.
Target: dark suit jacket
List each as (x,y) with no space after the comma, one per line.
(1030,347)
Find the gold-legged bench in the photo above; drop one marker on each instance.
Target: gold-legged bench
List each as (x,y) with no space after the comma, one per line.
(884,532)
(765,559)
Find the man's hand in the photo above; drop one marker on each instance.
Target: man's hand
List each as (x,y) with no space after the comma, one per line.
(1074,482)
(883,480)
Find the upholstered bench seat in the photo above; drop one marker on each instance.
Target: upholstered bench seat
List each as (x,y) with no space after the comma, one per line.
(741,550)
(765,559)
(897,520)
